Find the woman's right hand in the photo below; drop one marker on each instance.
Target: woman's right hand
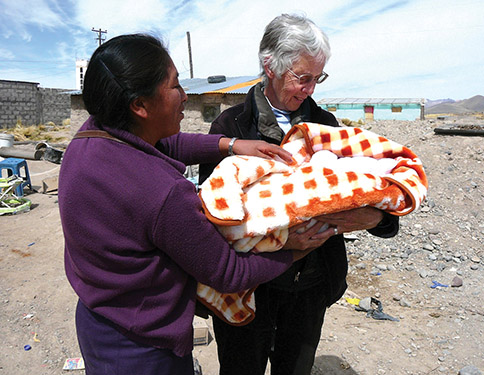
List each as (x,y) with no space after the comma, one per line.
(258,148)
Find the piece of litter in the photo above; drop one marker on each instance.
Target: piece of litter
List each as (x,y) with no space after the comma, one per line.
(436,284)
(74,364)
(352,301)
(27,347)
(374,309)
(35,337)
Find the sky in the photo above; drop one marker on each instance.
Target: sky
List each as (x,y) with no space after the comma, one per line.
(431,49)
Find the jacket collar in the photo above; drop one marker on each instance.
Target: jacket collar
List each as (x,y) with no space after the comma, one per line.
(267,125)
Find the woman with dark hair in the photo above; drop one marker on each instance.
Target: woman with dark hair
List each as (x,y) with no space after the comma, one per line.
(136,239)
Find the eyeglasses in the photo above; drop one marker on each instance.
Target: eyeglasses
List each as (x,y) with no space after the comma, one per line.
(307,78)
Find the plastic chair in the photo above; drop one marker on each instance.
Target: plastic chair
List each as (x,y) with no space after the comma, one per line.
(10,203)
(15,166)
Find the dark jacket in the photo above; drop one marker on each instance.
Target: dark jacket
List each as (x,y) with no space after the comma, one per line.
(327,265)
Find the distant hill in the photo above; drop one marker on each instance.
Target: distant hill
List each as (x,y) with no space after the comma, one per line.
(474,104)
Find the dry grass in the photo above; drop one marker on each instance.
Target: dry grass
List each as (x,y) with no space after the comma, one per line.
(348,122)
(43,132)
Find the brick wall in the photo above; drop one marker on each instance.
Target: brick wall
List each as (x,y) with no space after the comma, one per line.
(31,104)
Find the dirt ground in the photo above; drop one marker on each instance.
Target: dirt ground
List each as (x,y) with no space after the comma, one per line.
(440,330)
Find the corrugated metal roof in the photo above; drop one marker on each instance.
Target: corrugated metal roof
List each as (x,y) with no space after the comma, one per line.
(371,101)
(232,85)
(198,86)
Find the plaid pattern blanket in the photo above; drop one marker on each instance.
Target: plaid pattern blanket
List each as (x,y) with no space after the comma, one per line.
(254,201)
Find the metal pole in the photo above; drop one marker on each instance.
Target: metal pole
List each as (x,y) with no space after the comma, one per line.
(190,54)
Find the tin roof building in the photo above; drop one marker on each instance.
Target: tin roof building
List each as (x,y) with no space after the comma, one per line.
(375,108)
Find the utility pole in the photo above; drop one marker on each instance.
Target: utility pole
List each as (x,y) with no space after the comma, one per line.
(99,32)
(190,54)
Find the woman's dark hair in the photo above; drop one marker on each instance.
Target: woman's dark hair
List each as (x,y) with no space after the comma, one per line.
(121,70)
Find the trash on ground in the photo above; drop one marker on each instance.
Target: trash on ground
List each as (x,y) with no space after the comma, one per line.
(74,364)
(436,284)
(374,309)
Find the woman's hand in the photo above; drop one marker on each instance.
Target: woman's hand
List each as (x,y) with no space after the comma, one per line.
(357,219)
(304,238)
(261,149)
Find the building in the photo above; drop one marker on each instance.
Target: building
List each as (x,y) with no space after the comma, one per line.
(207,98)
(81,67)
(371,109)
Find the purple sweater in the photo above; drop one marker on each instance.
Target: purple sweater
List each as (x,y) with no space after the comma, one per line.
(137,241)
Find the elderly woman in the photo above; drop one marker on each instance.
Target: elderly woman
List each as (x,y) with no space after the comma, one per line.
(136,240)
(290,309)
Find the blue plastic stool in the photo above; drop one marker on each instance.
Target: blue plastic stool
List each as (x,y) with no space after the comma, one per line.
(15,166)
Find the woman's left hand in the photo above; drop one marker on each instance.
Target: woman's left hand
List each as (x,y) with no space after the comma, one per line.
(356,219)
(261,149)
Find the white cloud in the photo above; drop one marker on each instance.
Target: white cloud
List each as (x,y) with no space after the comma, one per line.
(424,48)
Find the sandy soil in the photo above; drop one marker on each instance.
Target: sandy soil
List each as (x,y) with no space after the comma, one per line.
(440,330)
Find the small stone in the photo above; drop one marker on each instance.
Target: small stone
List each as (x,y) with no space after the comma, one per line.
(365,303)
(474,267)
(476,259)
(469,370)
(404,303)
(457,282)
(360,266)
(423,274)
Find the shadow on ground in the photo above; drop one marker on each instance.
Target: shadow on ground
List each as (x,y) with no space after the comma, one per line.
(331,365)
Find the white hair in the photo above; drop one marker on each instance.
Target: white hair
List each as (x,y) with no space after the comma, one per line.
(286,38)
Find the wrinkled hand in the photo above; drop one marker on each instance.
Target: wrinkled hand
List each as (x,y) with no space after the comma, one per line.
(302,241)
(357,219)
(262,149)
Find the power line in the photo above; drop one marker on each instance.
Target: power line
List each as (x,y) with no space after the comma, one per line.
(99,32)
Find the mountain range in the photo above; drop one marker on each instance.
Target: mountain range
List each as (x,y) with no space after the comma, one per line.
(471,105)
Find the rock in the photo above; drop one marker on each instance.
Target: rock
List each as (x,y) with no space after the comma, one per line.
(456,282)
(404,303)
(365,303)
(475,259)
(423,274)
(469,370)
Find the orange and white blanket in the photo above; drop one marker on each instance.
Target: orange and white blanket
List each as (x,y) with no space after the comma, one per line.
(254,201)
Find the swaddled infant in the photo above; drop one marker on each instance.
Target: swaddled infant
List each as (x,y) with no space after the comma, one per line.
(359,164)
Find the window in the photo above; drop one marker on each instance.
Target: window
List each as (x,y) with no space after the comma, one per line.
(396,109)
(210,112)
